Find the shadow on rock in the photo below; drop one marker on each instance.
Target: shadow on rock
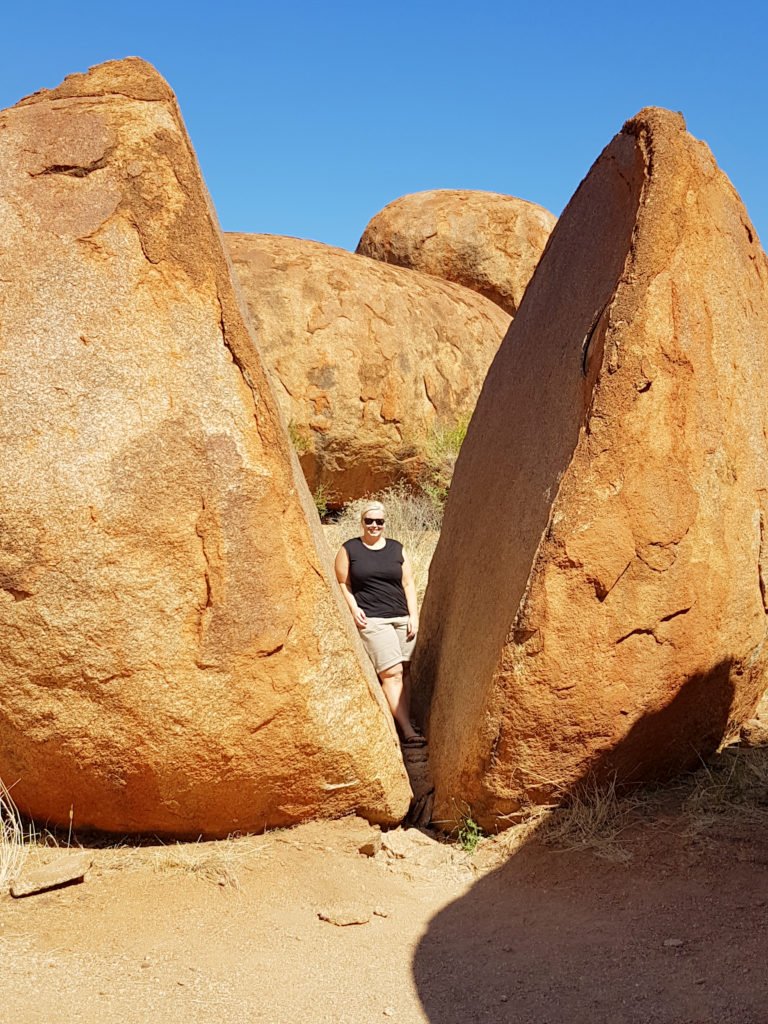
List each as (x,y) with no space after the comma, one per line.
(676,935)
(416,761)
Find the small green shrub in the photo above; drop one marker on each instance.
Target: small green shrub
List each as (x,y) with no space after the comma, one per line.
(323,497)
(468,833)
(300,438)
(446,441)
(441,451)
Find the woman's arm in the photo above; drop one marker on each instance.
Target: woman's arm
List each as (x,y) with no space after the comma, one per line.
(410,596)
(342,575)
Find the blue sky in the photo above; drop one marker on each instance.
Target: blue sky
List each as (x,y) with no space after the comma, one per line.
(308,118)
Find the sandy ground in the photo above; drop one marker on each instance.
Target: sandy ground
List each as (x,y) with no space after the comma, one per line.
(517,932)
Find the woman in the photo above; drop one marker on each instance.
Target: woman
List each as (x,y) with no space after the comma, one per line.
(375,576)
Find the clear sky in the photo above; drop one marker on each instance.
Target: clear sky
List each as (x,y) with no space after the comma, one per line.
(307,118)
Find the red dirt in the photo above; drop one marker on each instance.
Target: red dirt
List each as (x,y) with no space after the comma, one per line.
(676,935)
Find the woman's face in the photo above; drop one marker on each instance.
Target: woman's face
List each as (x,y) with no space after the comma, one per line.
(373,525)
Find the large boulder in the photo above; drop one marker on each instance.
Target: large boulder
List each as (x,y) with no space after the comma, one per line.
(176,658)
(597,602)
(485,241)
(370,362)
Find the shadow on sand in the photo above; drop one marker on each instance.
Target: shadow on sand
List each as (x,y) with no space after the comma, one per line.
(676,935)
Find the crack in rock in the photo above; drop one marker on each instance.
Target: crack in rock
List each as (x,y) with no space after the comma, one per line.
(651,631)
(73,170)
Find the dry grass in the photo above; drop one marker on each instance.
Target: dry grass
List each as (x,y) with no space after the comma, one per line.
(728,791)
(218,862)
(412,519)
(14,841)
(594,817)
(731,785)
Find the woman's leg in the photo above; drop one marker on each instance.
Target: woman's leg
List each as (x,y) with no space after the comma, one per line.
(398,699)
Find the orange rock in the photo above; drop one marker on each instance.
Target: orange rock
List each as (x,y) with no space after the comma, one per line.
(176,658)
(368,361)
(485,241)
(597,601)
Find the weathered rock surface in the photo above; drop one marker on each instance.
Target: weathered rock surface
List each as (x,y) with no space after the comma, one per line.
(597,601)
(368,361)
(66,871)
(175,656)
(488,242)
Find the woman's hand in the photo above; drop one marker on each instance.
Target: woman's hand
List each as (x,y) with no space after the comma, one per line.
(413,627)
(361,619)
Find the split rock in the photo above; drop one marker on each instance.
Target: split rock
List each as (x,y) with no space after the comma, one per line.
(176,657)
(368,361)
(597,602)
(485,241)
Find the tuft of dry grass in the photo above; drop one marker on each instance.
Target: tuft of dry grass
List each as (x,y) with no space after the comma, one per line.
(733,784)
(218,862)
(412,518)
(14,841)
(593,817)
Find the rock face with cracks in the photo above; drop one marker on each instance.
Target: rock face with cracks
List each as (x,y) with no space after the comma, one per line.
(597,601)
(368,361)
(176,658)
(485,241)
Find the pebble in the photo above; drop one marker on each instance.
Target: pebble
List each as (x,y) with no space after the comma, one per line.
(674,943)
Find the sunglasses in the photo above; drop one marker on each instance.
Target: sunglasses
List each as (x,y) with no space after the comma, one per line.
(373,522)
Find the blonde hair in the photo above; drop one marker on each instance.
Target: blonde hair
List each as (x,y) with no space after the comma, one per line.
(369,506)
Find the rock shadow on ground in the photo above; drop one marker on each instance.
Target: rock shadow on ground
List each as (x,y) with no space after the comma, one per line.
(674,935)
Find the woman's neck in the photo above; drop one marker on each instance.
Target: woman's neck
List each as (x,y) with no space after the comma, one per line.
(374,542)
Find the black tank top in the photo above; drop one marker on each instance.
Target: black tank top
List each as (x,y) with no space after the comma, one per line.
(376,578)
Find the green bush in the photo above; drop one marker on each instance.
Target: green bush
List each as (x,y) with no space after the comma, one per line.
(468,833)
(441,451)
(300,438)
(323,497)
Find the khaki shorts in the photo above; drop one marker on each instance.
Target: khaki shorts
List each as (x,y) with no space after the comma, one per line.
(385,641)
